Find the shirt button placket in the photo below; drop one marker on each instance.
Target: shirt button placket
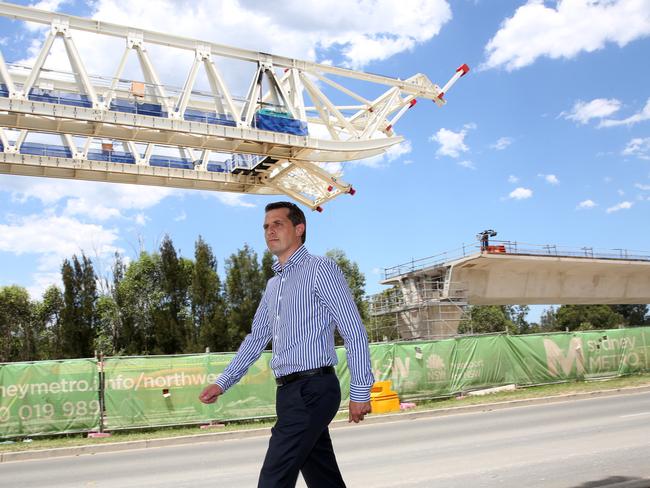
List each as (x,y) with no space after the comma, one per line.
(277,310)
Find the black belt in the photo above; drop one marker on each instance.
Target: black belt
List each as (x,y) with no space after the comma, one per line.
(283,380)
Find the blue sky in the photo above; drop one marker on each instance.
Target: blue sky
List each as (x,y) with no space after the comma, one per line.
(546,140)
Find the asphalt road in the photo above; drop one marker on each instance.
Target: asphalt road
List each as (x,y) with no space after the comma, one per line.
(577,443)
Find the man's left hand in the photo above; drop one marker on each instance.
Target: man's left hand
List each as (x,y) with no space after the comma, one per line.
(358,410)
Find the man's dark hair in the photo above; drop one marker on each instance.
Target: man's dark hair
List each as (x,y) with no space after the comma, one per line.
(296,216)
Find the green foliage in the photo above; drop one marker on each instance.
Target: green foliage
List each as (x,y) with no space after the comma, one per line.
(633,315)
(548,320)
(355,278)
(18,334)
(159,303)
(517,315)
(382,326)
(139,294)
(587,317)
(485,319)
(172,316)
(244,288)
(164,303)
(209,327)
(78,314)
(108,325)
(267,266)
(48,314)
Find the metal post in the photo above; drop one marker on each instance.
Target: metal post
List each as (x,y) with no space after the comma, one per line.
(101,392)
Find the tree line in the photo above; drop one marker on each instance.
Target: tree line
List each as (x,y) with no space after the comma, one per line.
(159,303)
(512,318)
(164,303)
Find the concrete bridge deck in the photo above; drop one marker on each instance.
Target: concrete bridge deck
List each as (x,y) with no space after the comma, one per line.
(508,273)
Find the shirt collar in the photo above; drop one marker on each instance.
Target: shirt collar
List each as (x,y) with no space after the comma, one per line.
(297,257)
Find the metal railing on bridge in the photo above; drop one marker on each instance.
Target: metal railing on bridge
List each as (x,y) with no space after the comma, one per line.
(514,247)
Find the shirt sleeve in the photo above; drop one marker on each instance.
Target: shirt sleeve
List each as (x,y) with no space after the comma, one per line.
(250,349)
(334,293)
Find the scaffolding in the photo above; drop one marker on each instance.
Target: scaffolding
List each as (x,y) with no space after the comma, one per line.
(427,308)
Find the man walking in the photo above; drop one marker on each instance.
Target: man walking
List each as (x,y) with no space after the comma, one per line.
(302,304)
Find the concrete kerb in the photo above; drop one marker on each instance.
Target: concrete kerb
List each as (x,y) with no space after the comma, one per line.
(247,433)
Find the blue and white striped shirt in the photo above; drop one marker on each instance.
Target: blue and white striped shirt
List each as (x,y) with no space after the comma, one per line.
(302,304)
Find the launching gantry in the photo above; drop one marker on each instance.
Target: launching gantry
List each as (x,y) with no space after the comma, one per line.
(272,141)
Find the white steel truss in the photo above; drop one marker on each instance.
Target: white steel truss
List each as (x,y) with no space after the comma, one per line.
(286,100)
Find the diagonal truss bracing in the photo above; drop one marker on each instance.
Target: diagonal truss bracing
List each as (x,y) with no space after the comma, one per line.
(295,115)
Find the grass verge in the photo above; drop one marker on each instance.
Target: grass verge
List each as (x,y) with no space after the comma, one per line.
(69,440)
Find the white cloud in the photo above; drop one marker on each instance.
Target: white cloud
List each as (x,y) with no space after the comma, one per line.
(398,150)
(644,114)
(620,206)
(587,204)
(452,143)
(81,206)
(565,29)
(50,5)
(181,217)
(141,219)
(233,200)
(513,179)
(363,31)
(90,194)
(642,187)
(41,281)
(502,143)
(467,164)
(357,32)
(52,238)
(51,234)
(363,49)
(521,193)
(583,112)
(382,160)
(551,179)
(639,147)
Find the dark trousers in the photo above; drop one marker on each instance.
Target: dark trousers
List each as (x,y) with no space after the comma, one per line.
(300,440)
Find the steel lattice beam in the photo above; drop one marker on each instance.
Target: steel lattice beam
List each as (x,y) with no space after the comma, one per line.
(360,129)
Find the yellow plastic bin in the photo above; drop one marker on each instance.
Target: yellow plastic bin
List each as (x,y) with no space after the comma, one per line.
(383,399)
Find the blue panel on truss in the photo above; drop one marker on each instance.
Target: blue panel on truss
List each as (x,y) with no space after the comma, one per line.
(61,98)
(194,115)
(111,156)
(216,167)
(133,107)
(278,123)
(171,162)
(38,149)
(4,91)
(155,110)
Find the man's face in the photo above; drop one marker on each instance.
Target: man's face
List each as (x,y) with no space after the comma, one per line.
(282,237)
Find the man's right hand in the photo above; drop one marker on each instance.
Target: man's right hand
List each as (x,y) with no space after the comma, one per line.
(210,393)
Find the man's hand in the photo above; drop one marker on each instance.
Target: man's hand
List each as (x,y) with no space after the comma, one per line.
(358,410)
(210,393)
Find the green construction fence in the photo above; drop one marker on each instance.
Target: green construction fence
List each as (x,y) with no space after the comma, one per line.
(49,397)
